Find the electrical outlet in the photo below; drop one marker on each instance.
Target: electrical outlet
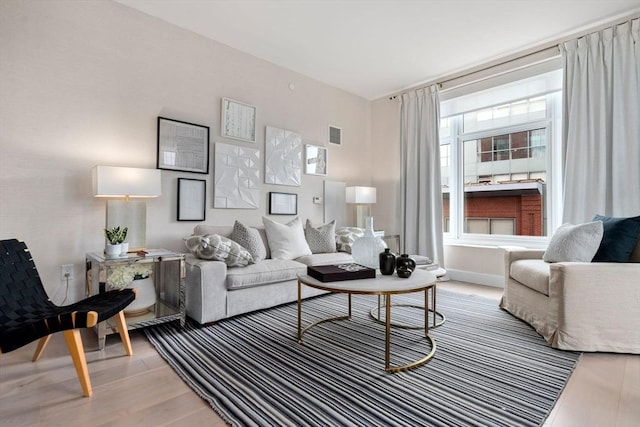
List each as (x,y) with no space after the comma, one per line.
(66,269)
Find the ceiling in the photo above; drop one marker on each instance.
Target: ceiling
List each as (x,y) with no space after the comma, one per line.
(373,48)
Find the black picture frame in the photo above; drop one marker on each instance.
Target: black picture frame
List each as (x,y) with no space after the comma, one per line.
(192,195)
(182,146)
(283,203)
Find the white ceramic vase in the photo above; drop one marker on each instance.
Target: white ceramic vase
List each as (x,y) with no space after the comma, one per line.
(112,251)
(366,249)
(145,297)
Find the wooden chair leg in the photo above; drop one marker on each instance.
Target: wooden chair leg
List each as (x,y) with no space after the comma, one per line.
(121,323)
(40,349)
(74,342)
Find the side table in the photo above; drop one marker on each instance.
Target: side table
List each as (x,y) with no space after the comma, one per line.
(168,273)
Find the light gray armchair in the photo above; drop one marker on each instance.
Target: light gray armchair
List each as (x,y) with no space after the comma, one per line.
(576,305)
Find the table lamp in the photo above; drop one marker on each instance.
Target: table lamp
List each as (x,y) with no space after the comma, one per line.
(120,185)
(362,197)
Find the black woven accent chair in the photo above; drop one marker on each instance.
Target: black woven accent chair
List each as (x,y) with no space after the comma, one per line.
(27,314)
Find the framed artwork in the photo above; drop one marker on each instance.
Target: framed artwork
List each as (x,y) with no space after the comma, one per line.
(238,120)
(335,135)
(182,146)
(282,157)
(315,161)
(283,203)
(237,177)
(192,194)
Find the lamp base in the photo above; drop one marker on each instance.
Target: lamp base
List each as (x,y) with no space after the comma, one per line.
(362,212)
(131,214)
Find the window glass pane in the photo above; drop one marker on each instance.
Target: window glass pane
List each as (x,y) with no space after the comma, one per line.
(445,173)
(502,226)
(499,197)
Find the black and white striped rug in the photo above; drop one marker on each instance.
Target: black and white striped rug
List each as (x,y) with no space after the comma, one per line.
(490,369)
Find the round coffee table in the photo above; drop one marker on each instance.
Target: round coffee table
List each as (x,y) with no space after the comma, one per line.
(420,281)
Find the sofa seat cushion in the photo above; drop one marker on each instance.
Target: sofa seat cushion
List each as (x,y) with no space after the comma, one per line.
(326,259)
(533,273)
(263,273)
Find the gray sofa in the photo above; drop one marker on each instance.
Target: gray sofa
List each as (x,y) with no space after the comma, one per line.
(215,291)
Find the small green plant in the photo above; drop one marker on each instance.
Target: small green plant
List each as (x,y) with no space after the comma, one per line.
(116,235)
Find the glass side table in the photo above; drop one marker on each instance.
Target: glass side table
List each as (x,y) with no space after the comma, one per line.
(167,273)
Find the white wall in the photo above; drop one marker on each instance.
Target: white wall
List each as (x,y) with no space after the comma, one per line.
(83,82)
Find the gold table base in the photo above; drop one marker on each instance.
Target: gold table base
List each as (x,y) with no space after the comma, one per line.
(388,324)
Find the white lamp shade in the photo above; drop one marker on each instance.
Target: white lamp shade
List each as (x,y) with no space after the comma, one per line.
(361,195)
(113,181)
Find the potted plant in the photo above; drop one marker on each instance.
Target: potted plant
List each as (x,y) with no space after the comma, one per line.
(115,236)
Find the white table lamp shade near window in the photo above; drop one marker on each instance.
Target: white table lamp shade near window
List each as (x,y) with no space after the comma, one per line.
(120,185)
(362,197)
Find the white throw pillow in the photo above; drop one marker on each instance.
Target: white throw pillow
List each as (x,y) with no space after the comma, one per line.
(219,248)
(286,241)
(577,243)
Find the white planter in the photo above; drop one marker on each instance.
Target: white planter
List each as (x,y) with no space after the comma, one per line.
(112,251)
(145,297)
(124,248)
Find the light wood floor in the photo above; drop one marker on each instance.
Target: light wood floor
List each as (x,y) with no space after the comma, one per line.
(143,390)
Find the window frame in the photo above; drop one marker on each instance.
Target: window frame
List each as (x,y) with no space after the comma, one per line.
(552,199)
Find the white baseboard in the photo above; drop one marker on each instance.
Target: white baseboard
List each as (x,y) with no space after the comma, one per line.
(495,280)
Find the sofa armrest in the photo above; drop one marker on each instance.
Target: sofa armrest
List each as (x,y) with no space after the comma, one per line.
(206,290)
(515,253)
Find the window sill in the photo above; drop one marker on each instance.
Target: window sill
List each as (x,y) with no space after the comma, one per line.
(495,241)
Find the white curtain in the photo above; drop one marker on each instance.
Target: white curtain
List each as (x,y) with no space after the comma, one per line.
(421,193)
(601,124)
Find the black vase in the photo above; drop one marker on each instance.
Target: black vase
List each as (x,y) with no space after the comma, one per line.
(404,272)
(404,261)
(387,262)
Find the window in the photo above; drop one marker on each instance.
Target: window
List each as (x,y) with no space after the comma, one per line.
(495,160)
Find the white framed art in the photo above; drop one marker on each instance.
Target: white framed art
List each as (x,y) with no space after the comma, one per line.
(283,157)
(238,120)
(315,162)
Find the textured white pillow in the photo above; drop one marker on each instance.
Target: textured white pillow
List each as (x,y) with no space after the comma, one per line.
(286,241)
(345,236)
(322,238)
(575,242)
(219,248)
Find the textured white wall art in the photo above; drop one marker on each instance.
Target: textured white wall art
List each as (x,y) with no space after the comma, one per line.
(283,157)
(237,177)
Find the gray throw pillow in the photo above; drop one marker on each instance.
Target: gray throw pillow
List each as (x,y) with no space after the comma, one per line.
(322,238)
(219,248)
(577,243)
(249,238)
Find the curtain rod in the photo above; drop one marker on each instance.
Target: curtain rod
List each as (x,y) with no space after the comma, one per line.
(545,50)
(542,51)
